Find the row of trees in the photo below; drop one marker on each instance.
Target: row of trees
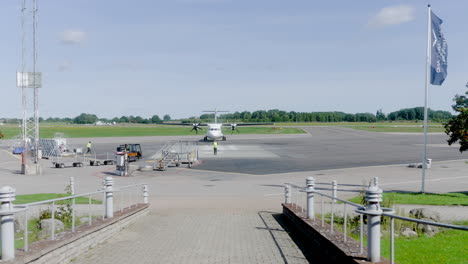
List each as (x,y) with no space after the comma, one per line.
(416,113)
(91,119)
(275,115)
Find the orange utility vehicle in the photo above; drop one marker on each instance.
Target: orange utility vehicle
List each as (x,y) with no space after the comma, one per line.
(133,151)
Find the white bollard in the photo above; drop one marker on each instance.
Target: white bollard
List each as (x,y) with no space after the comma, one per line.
(334,194)
(72,185)
(145,194)
(287,193)
(7,196)
(373,198)
(310,183)
(428,163)
(108,183)
(334,189)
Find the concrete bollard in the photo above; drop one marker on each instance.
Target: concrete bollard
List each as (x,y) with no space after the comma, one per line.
(7,196)
(334,189)
(334,194)
(72,185)
(108,183)
(310,183)
(428,163)
(145,194)
(374,212)
(287,193)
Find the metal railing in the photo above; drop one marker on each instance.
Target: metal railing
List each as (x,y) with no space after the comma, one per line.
(128,197)
(294,195)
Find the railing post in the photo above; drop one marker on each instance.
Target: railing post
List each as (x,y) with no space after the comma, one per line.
(310,183)
(334,194)
(72,185)
(287,193)
(72,191)
(145,194)
(7,196)
(374,212)
(109,182)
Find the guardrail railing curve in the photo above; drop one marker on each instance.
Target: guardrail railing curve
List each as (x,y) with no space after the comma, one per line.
(129,196)
(373,211)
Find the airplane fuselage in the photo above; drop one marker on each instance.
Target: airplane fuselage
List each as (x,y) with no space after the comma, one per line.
(214,132)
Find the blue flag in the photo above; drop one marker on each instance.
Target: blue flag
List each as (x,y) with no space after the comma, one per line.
(438,52)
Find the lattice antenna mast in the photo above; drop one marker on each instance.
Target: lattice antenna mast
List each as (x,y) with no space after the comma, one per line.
(24,101)
(36,91)
(29,80)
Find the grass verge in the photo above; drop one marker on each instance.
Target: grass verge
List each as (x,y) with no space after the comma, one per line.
(30,198)
(147,130)
(420,198)
(399,129)
(448,246)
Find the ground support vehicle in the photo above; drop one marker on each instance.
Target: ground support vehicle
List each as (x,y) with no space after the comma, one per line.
(68,161)
(99,159)
(133,151)
(177,153)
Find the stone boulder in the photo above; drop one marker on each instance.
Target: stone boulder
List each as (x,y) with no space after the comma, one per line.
(426,215)
(420,213)
(19,225)
(46,227)
(407,232)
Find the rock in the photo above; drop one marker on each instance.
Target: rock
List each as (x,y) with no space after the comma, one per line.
(407,232)
(428,230)
(19,225)
(420,213)
(46,227)
(145,168)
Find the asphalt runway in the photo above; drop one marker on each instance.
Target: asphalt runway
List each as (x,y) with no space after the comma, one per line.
(322,148)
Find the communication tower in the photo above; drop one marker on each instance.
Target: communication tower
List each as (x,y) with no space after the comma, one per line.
(29,80)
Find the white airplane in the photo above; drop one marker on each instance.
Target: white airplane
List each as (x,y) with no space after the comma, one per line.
(214,131)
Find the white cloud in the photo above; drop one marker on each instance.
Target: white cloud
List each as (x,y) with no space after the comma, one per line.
(203,1)
(392,15)
(73,36)
(65,66)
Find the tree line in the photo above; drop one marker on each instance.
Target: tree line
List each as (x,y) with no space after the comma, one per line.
(274,115)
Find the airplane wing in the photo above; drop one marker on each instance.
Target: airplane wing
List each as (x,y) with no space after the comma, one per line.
(249,124)
(184,124)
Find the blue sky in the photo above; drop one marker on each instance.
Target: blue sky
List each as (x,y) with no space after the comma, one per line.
(181,57)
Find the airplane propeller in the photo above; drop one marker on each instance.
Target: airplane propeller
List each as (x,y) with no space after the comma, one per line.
(196,127)
(234,127)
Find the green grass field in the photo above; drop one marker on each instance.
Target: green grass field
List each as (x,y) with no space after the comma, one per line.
(449,246)
(354,124)
(397,127)
(427,198)
(30,198)
(138,130)
(400,129)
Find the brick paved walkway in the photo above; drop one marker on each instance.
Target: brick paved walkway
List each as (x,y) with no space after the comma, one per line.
(194,236)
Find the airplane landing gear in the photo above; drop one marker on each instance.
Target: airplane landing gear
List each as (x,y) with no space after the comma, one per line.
(205,138)
(224,138)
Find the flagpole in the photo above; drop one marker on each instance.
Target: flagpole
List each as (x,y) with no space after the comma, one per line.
(428,63)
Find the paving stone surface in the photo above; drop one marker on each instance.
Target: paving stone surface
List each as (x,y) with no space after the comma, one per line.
(194,236)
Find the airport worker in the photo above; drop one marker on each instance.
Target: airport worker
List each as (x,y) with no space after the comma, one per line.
(215,147)
(88,146)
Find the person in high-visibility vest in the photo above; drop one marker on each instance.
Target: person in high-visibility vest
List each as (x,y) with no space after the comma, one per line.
(215,147)
(88,146)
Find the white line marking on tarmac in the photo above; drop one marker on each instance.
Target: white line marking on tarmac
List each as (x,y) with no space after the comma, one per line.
(11,154)
(273,194)
(432,180)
